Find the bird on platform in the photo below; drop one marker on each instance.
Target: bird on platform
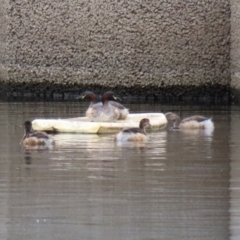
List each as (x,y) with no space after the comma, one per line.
(104,110)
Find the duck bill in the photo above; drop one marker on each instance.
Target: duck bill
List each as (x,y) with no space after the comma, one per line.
(116,98)
(82,96)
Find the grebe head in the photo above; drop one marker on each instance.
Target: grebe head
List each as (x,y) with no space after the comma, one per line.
(144,123)
(174,118)
(88,95)
(109,95)
(27,126)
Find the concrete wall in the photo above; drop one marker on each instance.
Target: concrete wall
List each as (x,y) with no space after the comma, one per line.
(3,43)
(179,47)
(235,49)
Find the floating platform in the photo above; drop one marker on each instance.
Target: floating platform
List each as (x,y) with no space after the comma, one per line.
(83,125)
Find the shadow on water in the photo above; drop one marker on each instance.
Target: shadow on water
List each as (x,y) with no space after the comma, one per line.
(179,185)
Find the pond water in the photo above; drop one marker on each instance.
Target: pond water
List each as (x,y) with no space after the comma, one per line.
(179,185)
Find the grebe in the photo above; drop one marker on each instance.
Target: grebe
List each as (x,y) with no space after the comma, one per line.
(193,122)
(35,138)
(134,134)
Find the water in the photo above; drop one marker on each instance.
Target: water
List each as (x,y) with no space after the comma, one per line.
(180,185)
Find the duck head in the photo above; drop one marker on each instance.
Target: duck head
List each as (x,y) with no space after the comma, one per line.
(144,123)
(27,126)
(174,118)
(109,95)
(88,95)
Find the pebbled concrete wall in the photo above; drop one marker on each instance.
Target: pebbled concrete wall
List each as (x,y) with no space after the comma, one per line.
(3,43)
(178,47)
(235,49)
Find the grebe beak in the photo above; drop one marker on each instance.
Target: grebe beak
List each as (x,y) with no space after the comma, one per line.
(117,98)
(82,96)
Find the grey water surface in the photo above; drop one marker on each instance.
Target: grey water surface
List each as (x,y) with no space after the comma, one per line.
(179,185)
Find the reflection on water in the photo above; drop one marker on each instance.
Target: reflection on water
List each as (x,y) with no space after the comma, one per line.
(176,186)
(235,178)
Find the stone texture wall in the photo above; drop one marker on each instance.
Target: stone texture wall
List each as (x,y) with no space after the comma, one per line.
(235,49)
(160,46)
(3,43)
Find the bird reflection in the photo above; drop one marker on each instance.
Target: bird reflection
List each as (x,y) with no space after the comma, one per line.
(194,132)
(139,145)
(29,150)
(27,157)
